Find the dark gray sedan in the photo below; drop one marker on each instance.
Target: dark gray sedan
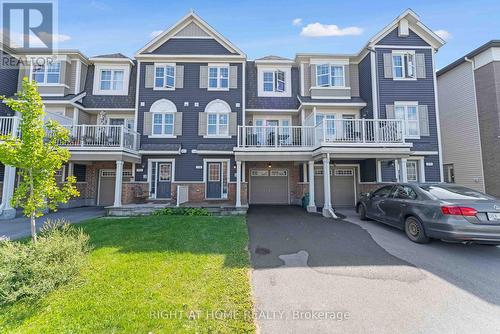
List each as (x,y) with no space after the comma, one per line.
(440,211)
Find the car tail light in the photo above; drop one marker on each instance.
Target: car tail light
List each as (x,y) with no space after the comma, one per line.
(458,211)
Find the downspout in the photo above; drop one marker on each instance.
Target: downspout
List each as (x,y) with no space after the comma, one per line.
(473,65)
(373,70)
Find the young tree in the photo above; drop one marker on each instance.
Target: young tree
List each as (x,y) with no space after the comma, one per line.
(37,155)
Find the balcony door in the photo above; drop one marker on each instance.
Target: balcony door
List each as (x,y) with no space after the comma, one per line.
(266,131)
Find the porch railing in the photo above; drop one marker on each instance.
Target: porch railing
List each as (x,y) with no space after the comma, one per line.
(328,132)
(9,126)
(102,136)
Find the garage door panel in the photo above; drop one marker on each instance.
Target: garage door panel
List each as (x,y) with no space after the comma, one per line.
(269,187)
(342,185)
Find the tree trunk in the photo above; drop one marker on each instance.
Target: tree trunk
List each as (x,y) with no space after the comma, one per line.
(33,227)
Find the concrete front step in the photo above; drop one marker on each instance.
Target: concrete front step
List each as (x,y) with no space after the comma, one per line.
(132,210)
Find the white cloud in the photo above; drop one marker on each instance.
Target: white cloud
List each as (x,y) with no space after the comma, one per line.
(297,22)
(155,33)
(444,34)
(17,39)
(99,5)
(324,30)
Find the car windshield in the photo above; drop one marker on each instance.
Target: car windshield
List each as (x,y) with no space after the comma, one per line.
(453,193)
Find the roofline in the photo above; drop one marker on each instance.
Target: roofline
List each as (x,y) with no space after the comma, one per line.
(111,60)
(490,44)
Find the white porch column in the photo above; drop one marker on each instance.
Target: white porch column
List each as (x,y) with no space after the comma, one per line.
(243,171)
(118,183)
(6,211)
(402,170)
(71,168)
(238,184)
(311,207)
(327,207)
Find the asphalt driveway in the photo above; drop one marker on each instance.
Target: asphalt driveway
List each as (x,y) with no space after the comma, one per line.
(317,275)
(19,227)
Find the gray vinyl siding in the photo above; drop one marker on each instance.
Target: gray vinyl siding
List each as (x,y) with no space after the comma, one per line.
(365,86)
(388,172)
(253,101)
(354,79)
(488,102)
(186,163)
(8,85)
(459,126)
(191,46)
(412,39)
(420,90)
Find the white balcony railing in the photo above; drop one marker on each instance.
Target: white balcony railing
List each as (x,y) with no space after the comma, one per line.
(102,136)
(8,125)
(328,132)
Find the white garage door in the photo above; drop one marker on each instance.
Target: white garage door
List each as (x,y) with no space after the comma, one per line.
(342,185)
(269,186)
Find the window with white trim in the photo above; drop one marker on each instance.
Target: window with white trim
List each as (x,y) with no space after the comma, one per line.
(328,75)
(412,170)
(409,114)
(403,65)
(218,113)
(218,77)
(112,80)
(165,76)
(163,124)
(274,81)
(49,73)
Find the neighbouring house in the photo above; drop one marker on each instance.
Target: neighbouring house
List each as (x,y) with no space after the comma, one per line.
(191,114)
(469,103)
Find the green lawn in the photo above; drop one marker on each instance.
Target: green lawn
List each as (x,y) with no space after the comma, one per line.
(149,275)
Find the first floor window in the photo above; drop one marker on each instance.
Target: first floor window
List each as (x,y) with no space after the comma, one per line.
(218,124)
(403,65)
(330,75)
(165,76)
(163,124)
(112,80)
(409,113)
(218,77)
(412,170)
(47,73)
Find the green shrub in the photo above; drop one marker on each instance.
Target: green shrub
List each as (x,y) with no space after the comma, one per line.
(30,271)
(182,212)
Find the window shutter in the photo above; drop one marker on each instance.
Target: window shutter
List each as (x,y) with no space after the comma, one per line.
(178,124)
(233,76)
(147,128)
(420,64)
(347,76)
(202,124)
(179,76)
(423,117)
(313,75)
(150,78)
(388,65)
(233,124)
(203,76)
(389,111)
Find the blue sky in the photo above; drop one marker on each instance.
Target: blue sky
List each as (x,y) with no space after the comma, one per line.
(261,28)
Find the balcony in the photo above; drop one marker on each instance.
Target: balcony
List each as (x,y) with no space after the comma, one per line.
(102,137)
(8,125)
(330,132)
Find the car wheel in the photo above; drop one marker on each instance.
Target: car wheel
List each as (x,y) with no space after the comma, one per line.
(415,231)
(362,212)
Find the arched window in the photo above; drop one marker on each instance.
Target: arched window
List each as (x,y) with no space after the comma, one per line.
(163,117)
(218,118)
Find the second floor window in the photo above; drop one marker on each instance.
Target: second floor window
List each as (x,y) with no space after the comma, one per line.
(403,65)
(274,81)
(330,75)
(218,124)
(409,113)
(112,80)
(163,124)
(47,73)
(218,77)
(165,76)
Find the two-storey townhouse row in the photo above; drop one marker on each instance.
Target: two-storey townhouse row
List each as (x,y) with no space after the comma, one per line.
(469,100)
(191,120)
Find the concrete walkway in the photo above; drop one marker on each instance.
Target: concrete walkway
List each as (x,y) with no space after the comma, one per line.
(19,227)
(317,275)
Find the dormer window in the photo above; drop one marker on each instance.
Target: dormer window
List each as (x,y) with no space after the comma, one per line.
(218,77)
(165,76)
(112,80)
(403,65)
(328,75)
(49,73)
(274,81)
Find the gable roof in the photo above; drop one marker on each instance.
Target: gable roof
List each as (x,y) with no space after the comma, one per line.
(491,44)
(189,25)
(113,55)
(415,24)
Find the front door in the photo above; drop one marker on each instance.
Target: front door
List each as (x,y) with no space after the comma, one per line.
(214,180)
(164,180)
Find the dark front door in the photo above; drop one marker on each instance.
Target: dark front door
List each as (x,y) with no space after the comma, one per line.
(214,180)
(164,180)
